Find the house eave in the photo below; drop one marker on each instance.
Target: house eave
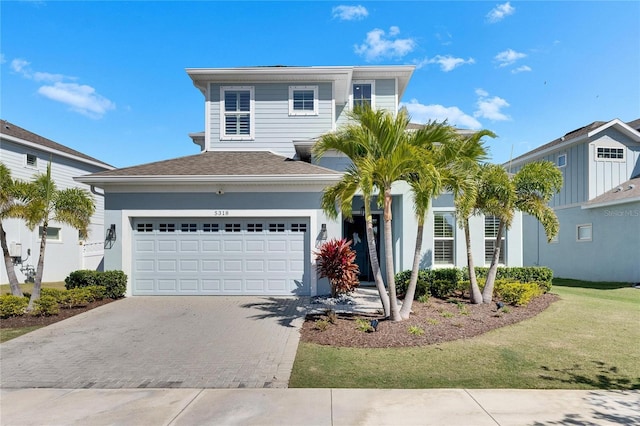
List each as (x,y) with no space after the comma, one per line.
(197,179)
(611,203)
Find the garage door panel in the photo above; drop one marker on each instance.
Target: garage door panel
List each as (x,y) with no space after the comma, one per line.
(220,256)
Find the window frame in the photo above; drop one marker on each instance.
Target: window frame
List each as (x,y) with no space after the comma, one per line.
(224,114)
(371,83)
(502,260)
(295,112)
(564,155)
(437,238)
(50,239)
(26,160)
(598,158)
(585,226)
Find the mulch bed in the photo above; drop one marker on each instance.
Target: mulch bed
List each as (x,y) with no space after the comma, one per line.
(441,321)
(32,320)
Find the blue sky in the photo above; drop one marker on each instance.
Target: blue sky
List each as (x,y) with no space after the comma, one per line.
(108,78)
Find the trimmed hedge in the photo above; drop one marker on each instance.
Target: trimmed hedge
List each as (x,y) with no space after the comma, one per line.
(525,274)
(114,282)
(46,306)
(12,306)
(439,283)
(516,293)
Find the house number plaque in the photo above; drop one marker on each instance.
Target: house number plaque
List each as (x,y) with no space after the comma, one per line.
(221,212)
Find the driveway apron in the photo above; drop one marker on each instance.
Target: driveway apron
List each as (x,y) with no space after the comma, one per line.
(162,342)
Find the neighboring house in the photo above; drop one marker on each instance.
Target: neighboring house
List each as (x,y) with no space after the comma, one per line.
(244,215)
(598,206)
(27,154)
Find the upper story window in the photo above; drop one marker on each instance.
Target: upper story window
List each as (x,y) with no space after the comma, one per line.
(444,228)
(53,233)
(303,100)
(562,160)
(31,160)
(237,112)
(605,153)
(363,93)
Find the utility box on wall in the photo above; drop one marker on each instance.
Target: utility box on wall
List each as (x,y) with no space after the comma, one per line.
(15,251)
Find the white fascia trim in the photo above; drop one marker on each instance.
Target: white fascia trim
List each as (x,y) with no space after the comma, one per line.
(560,147)
(55,151)
(259,179)
(629,131)
(126,232)
(611,203)
(207,119)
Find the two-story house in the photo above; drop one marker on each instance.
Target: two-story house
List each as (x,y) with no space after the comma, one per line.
(598,206)
(27,154)
(244,215)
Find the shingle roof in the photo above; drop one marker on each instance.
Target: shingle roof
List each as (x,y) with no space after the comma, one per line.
(222,163)
(625,192)
(10,129)
(573,135)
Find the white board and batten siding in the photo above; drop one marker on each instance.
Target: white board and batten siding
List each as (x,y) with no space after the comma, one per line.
(220,256)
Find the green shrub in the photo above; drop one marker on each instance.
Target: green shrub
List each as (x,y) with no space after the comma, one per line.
(114,282)
(517,293)
(443,288)
(12,306)
(440,283)
(423,299)
(321,324)
(76,298)
(81,278)
(541,275)
(422,286)
(46,306)
(416,330)
(97,292)
(57,293)
(363,325)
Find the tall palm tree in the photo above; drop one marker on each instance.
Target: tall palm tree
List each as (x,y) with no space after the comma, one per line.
(467,154)
(426,183)
(8,201)
(528,191)
(377,144)
(45,203)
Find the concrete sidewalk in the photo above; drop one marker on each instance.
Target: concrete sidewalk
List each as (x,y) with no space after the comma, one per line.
(333,407)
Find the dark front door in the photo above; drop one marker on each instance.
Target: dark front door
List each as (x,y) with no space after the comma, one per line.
(356,232)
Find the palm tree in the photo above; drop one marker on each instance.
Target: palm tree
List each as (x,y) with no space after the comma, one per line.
(467,155)
(45,203)
(377,144)
(528,191)
(8,201)
(426,183)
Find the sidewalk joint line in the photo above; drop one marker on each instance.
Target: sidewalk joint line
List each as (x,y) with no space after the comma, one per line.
(480,405)
(185,407)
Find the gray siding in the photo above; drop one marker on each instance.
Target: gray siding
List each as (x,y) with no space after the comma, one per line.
(385,98)
(607,174)
(274,129)
(334,163)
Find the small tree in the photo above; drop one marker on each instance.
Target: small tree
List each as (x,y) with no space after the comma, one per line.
(8,202)
(336,261)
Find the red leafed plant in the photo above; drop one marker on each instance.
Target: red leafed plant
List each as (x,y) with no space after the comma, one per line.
(336,261)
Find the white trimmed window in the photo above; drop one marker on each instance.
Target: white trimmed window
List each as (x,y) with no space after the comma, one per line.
(53,233)
(491,224)
(444,229)
(606,153)
(584,232)
(237,112)
(362,93)
(303,100)
(31,160)
(562,160)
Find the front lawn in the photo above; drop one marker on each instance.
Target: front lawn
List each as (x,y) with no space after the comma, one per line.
(587,340)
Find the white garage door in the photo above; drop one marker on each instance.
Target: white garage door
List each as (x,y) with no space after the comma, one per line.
(231,256)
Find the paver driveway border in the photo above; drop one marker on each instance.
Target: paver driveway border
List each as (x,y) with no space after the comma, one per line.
(162,342)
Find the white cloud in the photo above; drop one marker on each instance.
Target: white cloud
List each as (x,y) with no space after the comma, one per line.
(508,57)
(422,113)
(499,12)
(2,58)
(490,107)
(524,68)
(447,63)
(81,98)
(378,45)
(349,13)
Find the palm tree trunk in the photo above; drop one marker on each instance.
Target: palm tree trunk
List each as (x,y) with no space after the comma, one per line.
(474,291)
(405,311)
(11,273)
(375,262)
(37,284)
(388,248)
(487,292)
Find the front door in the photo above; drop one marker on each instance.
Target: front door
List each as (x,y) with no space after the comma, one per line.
(356,232)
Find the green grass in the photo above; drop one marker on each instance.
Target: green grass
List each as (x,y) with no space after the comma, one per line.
(5,288)
(587,340)
(12,333)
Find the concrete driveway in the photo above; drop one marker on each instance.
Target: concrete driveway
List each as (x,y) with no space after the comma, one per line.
(162,342)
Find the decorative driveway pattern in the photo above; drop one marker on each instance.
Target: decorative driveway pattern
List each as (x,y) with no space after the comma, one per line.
(162,342)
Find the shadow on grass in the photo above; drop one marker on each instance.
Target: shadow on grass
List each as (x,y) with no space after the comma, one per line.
(285,309)
(598,375)
(612,408)
(595,285)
